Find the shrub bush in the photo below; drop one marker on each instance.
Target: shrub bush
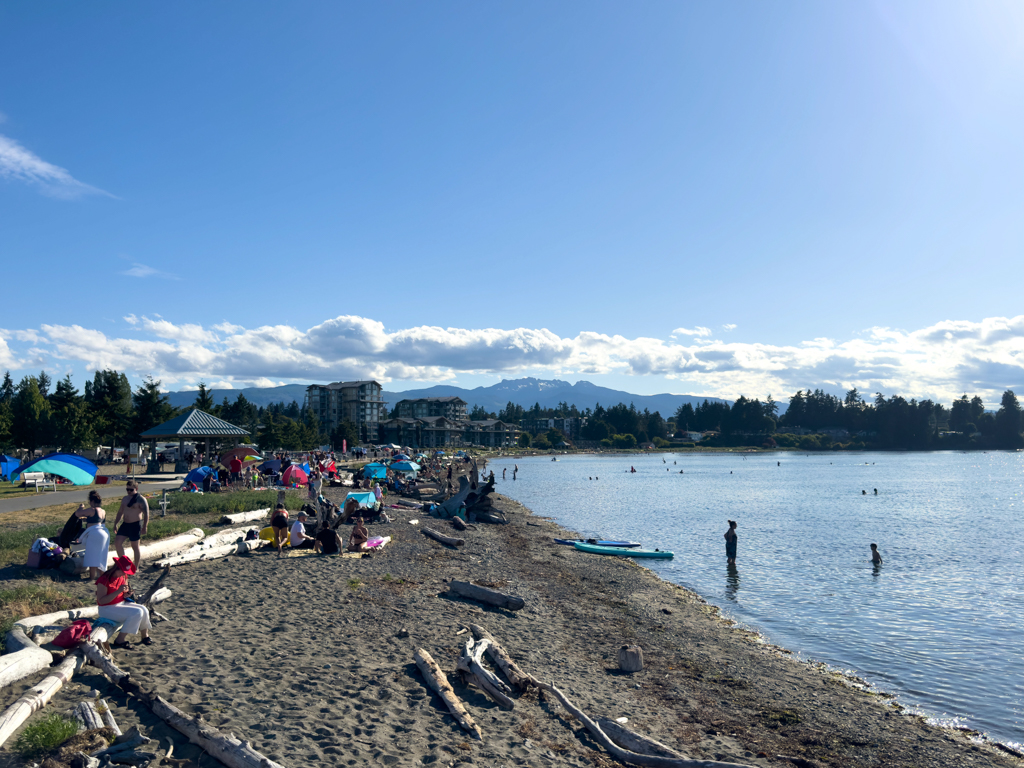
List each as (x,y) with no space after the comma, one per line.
(45,735)
(606,442)
(624,441)
(661,442)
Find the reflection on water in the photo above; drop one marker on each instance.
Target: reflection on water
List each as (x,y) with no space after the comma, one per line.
(941,623)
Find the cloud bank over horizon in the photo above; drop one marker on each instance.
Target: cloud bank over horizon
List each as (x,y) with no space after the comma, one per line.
(939,362)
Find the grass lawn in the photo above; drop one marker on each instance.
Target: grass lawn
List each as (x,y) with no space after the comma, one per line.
(13,490)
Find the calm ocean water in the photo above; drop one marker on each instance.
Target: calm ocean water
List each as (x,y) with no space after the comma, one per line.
(940,624)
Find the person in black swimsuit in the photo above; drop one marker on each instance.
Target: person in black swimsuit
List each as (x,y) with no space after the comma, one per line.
(279,522)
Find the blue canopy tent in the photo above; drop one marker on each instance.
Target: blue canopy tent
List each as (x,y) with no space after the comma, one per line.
(439,453)
(406,466)
(366,499)
(375,473)
(400,457)
(8,464)
(198,474)
(77,469)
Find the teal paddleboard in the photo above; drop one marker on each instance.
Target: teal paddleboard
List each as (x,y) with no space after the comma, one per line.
(594,549)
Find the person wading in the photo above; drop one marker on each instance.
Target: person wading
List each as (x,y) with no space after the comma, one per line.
(730,543)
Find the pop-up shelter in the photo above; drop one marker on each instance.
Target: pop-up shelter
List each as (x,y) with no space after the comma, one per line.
(78,469)
(193,425)
(8,464)
(366,499)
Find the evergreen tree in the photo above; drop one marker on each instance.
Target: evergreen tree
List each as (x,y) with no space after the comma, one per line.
(151,407)
(7,389)
(203,401)
(44,382)
(6,426)
(30,413)
(109,397)
(70,425)
(1008,422)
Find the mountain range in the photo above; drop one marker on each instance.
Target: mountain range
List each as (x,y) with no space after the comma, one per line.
(524,392)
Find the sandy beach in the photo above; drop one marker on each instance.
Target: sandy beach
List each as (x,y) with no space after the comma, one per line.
(311,659)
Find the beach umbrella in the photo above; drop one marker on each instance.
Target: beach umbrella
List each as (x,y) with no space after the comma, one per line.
(439,453)
(78,469)
(241,451)
(294,474)
(271,465)
(247,459)
(421,455)
(406,466)
(400,457)
(198,474)
(375,473)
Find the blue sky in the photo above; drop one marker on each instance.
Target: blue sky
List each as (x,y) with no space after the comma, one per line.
(714,198)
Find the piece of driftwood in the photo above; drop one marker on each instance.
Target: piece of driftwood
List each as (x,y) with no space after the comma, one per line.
(446,540)
(23,658)
(500,658)
(625,755)
(36,697)
(131,758)
(147,598)
(163,547)
(490,517)
(458,523)
(485,595)
(636,742)
(88,715)
(125,742)
(473,671)
(48,619)
(245,517)
(230,750)
(82,760)
(229,536)
(213,553)
(412,504)
(108,717)
(436,680)
(631,658)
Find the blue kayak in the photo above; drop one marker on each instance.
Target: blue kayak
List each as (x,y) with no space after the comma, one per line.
(595,549)
(598,542)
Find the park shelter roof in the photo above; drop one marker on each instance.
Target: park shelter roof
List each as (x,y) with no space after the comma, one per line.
(195,423)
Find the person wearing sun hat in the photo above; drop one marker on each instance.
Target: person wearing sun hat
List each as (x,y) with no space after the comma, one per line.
(112,594)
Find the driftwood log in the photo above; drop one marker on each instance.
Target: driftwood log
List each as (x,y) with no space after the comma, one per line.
(229,536)
(23,658)
(165,546)
(473,671)
(125,742)
(245,517)
(88,715)
(230,750)
(485,595)
(625,755)
(500,658)
(489,517)
(636,742)
(446,540)
(436,680)
(38,696)
(213,553)
(458,523)
(108,717)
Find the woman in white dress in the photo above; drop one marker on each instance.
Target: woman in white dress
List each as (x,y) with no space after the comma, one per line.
(95,537)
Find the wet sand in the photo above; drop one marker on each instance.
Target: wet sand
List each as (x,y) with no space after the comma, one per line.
(311,659)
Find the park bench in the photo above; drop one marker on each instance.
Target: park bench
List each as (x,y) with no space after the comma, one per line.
(38,480)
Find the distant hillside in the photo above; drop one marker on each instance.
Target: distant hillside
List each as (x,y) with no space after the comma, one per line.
(524,392)
(262,396)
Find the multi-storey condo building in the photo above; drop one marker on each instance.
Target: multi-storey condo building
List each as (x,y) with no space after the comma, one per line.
(357,401)
(452,408)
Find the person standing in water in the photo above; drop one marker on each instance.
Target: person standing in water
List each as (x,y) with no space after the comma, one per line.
(876,556)
(730,543)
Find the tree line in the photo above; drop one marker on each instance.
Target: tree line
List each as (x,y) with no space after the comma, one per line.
(108,412)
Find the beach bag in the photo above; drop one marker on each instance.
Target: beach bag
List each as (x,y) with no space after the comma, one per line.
(73,635)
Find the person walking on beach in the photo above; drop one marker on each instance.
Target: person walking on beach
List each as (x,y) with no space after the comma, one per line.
(135,511)
(876,556)
(730,543)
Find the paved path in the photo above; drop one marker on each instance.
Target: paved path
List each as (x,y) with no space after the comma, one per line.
(49,499)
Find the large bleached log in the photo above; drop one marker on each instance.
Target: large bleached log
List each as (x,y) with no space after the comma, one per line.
(245,517)
(230,536)
(636,742)
(497,654)
(436,679)
(38,696)
(213,553)
(625,755)
(126,742)
(446,540)
(473,671)
(485,595)
(49,619)
(163,547)
(23,658)
(225,747)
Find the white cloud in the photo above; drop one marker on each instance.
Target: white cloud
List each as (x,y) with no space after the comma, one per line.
(142,270)
(729,327)
(19,164)
(700,330)
(940,361)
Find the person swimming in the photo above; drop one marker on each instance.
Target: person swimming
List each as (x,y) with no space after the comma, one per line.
(876,557)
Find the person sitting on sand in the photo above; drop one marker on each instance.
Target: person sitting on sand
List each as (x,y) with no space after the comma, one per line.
(730,543)
(299,538)
(112,589)
(279,522)
(358,537)
(876,556)
(328,542)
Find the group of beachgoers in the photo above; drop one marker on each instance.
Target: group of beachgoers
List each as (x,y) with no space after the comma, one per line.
(327,540)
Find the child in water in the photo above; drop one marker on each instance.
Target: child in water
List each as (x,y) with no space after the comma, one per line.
(876,557)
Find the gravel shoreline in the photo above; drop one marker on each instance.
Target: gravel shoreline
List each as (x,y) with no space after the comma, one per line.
(311,659)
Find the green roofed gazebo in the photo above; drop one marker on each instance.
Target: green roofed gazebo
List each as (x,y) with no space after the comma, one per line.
(195,423)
